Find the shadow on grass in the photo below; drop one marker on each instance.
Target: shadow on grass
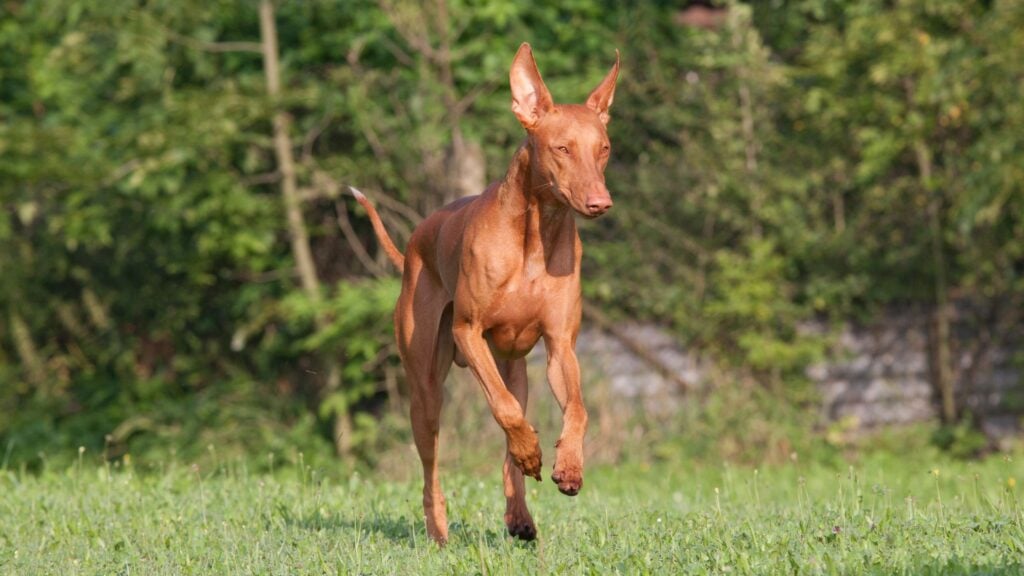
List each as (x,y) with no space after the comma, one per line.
(398,529)
(395,528)
(958,566)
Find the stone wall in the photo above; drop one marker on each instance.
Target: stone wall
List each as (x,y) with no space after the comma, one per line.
(878,374)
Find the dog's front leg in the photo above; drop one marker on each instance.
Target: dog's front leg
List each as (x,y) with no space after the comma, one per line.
(564,378)
(522,439)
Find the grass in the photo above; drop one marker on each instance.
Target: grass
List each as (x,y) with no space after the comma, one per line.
(884,515)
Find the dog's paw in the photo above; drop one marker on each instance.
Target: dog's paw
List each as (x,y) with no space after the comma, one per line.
(569,481)
(525,450)
(530,463)
(525,531)
(519,522)
(568,471)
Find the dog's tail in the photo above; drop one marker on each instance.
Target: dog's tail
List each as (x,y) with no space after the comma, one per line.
(378,227)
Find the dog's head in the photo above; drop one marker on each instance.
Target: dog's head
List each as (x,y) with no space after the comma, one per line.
(569,142)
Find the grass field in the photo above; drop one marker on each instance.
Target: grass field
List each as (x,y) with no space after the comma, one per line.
(882,515)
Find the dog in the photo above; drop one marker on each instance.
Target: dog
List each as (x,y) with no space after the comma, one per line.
(485,277)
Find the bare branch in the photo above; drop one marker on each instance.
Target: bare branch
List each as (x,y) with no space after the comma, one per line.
(470,97)
(637,348)
(265,178)
(410,26)
(399,54)
(121,171)
(313,134)
(353,240)
(203,45)
(397,206)
(399,226)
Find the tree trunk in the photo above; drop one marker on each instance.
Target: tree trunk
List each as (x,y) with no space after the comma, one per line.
(463,172)
(285,159)
(35,372)
(293,209)
(466,167)
(941,357)
(739,29)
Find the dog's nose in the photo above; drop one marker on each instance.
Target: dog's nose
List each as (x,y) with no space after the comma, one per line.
(597,205)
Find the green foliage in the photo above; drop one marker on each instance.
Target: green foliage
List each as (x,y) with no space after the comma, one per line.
(749,304)
(744,423)
(360,332)
(360,323)
(767,172)
(961,439)
(156,278)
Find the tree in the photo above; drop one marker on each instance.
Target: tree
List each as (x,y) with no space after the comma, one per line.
(896,101)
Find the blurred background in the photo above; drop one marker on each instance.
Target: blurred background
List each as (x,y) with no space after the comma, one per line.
(817,242)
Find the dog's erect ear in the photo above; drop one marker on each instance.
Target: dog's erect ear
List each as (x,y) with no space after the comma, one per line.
(530,97)
(600,100)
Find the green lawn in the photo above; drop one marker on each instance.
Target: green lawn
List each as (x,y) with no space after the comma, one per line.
(883,515)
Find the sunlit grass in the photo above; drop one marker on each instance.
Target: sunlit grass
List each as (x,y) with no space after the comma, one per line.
(882,515)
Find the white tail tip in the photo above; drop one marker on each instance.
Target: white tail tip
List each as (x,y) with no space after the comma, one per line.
(355,192)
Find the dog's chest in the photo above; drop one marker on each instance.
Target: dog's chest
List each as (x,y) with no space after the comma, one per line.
(515,322)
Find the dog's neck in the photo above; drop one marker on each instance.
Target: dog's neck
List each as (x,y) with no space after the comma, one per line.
(529,204)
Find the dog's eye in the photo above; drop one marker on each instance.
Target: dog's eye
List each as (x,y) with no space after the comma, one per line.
(606,149)
(563,149)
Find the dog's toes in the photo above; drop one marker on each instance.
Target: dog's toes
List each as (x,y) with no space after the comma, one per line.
(523,530)
(568,483)
(527,456)
(537,468)
(531,466)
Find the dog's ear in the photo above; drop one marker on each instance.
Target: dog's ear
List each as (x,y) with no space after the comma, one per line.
(530,97)
(600,100)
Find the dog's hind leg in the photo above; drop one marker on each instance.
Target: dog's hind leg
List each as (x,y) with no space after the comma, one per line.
(517,516)
(425,343)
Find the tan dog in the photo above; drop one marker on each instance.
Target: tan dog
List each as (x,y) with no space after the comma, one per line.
(486,277)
